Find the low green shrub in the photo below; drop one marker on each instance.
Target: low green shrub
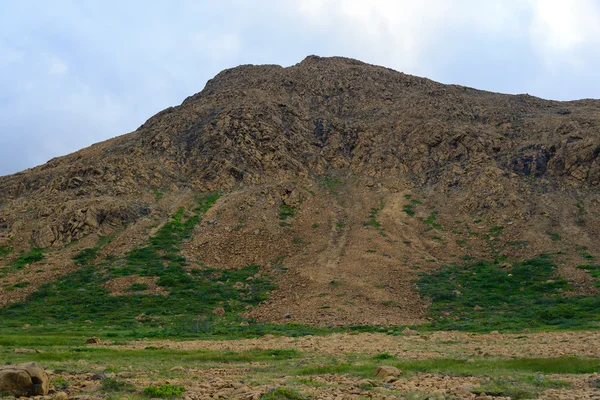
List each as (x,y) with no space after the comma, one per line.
(286,212)
(383,356)
(137,287)
(60,383)
(5,250)
(116,385)
(282,393)
(164,391)
(330,184)
(409,210)
(554,236)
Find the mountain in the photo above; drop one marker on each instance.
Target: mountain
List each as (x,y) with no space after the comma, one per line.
(338,180)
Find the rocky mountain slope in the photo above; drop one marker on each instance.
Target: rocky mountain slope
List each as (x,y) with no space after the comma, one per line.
(341,180)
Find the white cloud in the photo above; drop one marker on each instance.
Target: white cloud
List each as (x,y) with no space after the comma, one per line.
(560,25)
(400,33)
(565,34)
(56,66)
(218,46)
(390,31)
(9,55)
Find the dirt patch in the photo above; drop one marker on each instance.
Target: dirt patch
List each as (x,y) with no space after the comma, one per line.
(583,283)
(134,285)
(430,345)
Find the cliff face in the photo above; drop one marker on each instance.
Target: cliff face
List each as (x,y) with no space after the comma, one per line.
(333,136)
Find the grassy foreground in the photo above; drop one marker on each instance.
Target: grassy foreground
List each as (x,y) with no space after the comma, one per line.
(288,373)
(207,303)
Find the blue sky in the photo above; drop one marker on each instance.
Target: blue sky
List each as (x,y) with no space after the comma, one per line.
(75,72)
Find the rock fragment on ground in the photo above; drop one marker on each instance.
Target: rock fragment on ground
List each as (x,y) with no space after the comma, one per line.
(387,370)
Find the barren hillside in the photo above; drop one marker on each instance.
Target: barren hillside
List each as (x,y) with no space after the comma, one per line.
(341,181)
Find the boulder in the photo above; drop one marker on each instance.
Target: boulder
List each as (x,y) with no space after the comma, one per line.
(61,396)
(14,382)
(410,332)
(27,379)
(219,311)
(387,370)
(463,393)
(26,351)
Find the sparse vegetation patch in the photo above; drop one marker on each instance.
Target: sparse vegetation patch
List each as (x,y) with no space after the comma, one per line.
(555,236)
(372,221)
(483,296)
(330,183)
(520,387)
(116,385)
(594,270)
(286,212)
(193,293)
(282,393)
(34,255)
(4,251)
(409,210)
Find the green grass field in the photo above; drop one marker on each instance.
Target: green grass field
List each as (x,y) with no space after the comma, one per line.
(481,296)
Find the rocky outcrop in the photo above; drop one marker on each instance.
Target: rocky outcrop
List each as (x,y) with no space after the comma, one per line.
(258,124)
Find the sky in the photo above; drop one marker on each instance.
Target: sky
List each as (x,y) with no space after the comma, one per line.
(76,72)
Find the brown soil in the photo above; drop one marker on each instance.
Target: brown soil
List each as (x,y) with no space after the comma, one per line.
(433,345)
(122,286)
